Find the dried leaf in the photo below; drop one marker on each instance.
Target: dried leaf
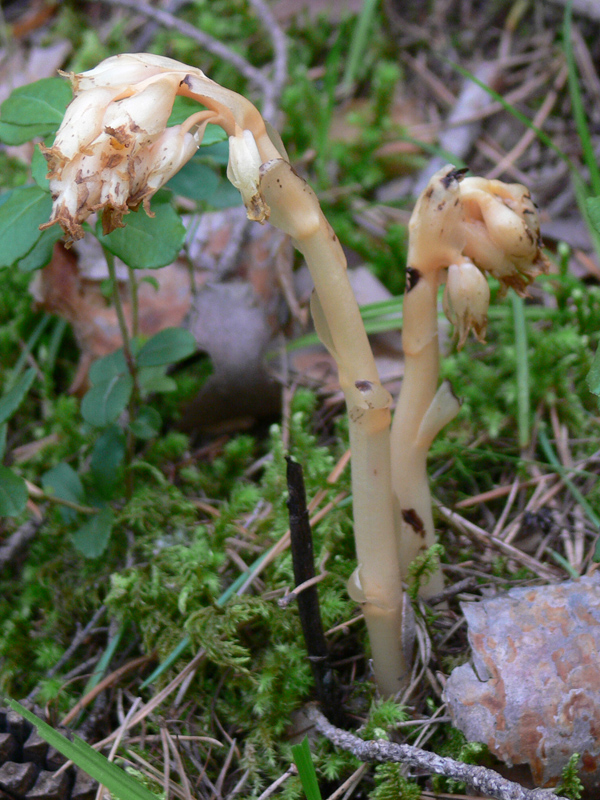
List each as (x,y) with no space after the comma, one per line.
(532,693)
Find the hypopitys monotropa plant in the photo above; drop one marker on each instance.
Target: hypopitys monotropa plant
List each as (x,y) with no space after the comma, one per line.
(460,229)
(111,154)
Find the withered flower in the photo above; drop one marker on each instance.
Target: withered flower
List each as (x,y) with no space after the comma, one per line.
(113,149)
(502,231)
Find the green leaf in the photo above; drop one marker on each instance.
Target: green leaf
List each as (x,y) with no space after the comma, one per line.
(13,493)
(3,430)
(593,376)
(92,537)
(20,217)
(42,250)
(62,481)
(225,196)
(19,134)
(118,782)
(43,102)
(167,347)
(39,169)
(195,180)
(106,400)
(306,770)
(35,109)
(147,242)
(13,399)
(108,455)
(153,380)
(147,423)
(110,366)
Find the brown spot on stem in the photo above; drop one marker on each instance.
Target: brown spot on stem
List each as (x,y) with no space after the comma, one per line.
(410,516)
(364,386)
(412,278)
(429,192)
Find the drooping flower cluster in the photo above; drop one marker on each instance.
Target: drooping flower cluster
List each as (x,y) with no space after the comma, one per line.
(462,228)
(502,231)
(113,149)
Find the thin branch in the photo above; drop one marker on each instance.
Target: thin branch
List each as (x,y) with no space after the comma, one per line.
(274,88)
(481,779)
(18,542)
(81,635)
(203,39)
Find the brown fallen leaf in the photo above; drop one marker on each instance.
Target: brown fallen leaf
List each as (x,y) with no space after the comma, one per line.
(70,287)
(532,692)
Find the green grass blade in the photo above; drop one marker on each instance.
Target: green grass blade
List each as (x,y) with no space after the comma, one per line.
(107,656)
(550,455)
(306,770)
(118,782)
(358,44)
(579,115)
(541,135)
(29,345)
(522,364)
(170,659)
(562,562)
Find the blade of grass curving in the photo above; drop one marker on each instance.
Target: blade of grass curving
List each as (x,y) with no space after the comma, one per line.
(103,663)
(306,770)
(169,660)
(579,115)
(583,129)
(358,44)
(434,150)
(186,641)
(118,782)
(551,456)
(562,562)
(582,190)
(541,135)
(27,350)
(522,364)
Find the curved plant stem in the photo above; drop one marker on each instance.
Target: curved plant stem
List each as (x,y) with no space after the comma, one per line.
(376,584)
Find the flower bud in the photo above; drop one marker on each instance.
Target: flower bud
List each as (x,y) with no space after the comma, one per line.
(243,171)
(466,300)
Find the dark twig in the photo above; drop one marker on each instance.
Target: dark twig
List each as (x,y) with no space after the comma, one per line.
(203,39)
(308,600)
(479,778)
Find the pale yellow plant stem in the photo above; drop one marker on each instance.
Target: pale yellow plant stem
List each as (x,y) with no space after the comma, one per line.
(376,584)
(421,412)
